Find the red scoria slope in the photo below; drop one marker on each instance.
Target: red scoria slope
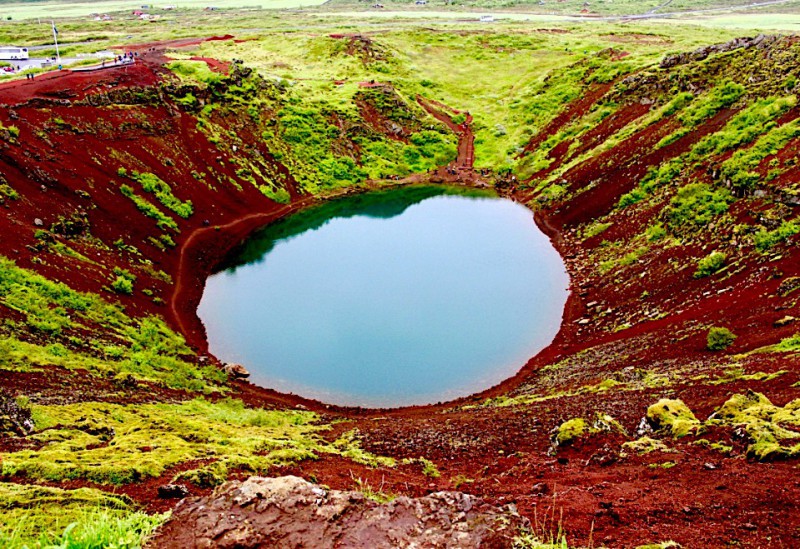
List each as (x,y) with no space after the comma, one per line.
(633,333)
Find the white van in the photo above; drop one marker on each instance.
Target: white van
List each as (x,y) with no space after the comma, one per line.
(11,53)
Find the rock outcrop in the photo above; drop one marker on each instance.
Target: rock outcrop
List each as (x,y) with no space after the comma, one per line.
(290,512)
(701,53)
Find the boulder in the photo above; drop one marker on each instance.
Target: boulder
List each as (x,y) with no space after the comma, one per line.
(173,491)
(290,512)
(785,321)
(236,371)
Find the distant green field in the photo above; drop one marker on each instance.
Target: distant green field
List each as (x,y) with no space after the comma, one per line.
(766,21)
(17,9)
(603,8)
(749,21)
(29,10)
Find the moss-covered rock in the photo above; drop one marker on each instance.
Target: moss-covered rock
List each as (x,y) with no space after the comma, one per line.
(645,445)
(764,424)
(569,431)
(573,429)
(673,417)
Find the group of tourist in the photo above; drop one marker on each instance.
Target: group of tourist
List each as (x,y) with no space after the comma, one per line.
(123,59)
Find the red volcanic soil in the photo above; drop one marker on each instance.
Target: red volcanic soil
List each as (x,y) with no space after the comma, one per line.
(215,65)
(74,148)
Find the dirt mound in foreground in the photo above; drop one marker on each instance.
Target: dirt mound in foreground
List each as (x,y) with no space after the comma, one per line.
(290,512)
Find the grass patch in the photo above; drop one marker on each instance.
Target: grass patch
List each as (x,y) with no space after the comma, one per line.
(153,184)
(114,444)
(163,221)
(145,348)
(39,516)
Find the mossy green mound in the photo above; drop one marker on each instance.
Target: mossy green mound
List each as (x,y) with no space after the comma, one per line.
(645,445)
(673,417)
(573,429)
(772,429)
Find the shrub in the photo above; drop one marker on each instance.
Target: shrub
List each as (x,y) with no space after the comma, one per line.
(655,232)
(719,339)
(764,240)
(710,264)
(122,285)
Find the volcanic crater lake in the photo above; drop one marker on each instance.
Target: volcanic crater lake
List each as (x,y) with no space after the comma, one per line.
(399,297)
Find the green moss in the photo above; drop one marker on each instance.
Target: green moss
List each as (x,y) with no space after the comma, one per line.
(736,373)
(145,348)
(739,169)
(764,240)
(772,429)
(573,429)
(569,431)
(672,417)
(113,444)
(645,445)
(349,446)
(594,229)
(696,205)
(153,184)
(163,221)
(122,285)
(789,344)
(429,468)
(718,446)
(718,98)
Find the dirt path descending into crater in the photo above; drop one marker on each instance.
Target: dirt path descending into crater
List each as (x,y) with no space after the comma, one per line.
(465,161)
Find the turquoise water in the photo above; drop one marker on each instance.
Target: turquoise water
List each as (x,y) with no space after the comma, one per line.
(410,296)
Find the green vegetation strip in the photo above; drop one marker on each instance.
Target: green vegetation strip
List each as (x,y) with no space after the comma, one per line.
(56,317)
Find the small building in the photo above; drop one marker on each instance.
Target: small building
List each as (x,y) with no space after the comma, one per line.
(12,53)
